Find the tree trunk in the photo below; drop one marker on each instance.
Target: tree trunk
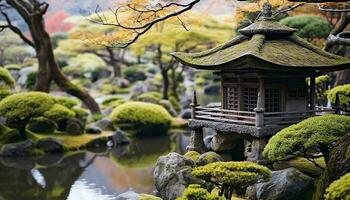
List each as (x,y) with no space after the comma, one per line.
(117,71)
(174,82)
(165,84)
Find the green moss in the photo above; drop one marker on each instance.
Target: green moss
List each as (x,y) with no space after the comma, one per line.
(42,125)
(4,93)
(21,107)
(110,100)
(175,103)
(339,189)
(142,117)
(114,89)
(59,112)
(81,82)
(148,197)
(232,175)
(150,97)
(306,166)
(8,135)
(6,78)
(67,101)
(192,155)
(196,192)
(81,113)
(308,135)
(13,67)
(344,94)
(135,73)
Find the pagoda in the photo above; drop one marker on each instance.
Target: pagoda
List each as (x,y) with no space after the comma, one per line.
(263,83)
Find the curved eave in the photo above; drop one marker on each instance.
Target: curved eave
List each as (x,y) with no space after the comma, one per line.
(250,60)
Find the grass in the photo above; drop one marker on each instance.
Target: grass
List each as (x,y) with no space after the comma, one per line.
(70,142)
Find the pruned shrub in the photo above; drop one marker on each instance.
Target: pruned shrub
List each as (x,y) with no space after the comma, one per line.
(339,189)
(344,94)
(196,192)
(140,117)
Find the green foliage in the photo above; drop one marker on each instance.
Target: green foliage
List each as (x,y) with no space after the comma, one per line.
(31,79)
(232,176)
(149,97)
(6,78)
(67,101)
(113,102)
(141,117)
(309,26)
(58,112)
(307,136)
(175,103)
(81,114)
(192,155)
(339,189)
(87,62)
(196,192)
(21,107)
(114,89)
(344,94)
(8,135)
(41,125)
(135,73)
(4,93)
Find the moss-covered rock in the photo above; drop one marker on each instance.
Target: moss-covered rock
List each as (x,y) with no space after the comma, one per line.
(192,155)
(6,78)
(8,135)
(339,189)
(209,157)
(67,101)
(41,125)
(20,108)
(4,93)
(140,117)
(58,112)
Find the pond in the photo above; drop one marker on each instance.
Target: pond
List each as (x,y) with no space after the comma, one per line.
(98,175)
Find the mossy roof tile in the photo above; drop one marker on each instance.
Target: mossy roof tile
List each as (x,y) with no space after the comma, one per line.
(266,41)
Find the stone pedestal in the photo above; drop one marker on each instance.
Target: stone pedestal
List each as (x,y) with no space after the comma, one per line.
(196,141)
(223,142)
(256,152)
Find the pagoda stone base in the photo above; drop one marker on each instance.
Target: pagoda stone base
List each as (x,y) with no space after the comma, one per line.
(196,141)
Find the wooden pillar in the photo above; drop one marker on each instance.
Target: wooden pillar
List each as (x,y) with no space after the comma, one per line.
(337,104)
(260,106)
(312,92)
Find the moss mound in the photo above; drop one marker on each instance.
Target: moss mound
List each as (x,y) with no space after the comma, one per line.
(140,117)
(6,78)
(21,107)
(344,94)
(339,189)
(308,135)
(67,101)
(4,93)
(192,155)
(58,112)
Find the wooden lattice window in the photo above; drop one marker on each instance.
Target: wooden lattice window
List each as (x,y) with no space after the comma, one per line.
(232,98)
(250,98)
(272,100)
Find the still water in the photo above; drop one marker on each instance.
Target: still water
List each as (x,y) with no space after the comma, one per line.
(98,175)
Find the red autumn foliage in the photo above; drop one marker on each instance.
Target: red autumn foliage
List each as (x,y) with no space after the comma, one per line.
(55,22)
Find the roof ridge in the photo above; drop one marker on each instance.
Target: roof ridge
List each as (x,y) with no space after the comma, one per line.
(314,48)
(256,43)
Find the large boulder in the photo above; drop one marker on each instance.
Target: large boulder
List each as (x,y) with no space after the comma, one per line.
(172,175)
(19,149)
(50,145)
(288,184)
(105,124)
(74,127)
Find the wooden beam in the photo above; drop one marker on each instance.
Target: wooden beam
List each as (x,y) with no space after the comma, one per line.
(312,92)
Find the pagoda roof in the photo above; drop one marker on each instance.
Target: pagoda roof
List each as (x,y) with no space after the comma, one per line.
(263,44)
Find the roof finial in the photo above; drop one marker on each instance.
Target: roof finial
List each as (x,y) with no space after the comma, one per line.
(266,12)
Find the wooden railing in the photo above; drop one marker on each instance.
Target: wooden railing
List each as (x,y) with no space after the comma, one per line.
(250,118)
(222,115)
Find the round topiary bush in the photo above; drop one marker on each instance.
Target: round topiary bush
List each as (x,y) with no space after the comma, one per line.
(339,189)
(140,117)
(19,108)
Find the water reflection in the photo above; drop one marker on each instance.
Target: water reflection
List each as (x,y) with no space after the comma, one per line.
(86,175)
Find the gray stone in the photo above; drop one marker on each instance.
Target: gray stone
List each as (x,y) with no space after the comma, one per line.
(19,149)
(23,75)
(186,114)
(130,195)
(209,157)
(207,141)
(104,124)
(172,175)
(50,145)
(74,127)
(107,111)
(288,184)
(223,141)
(119,138)
(93,130)
(2,120)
